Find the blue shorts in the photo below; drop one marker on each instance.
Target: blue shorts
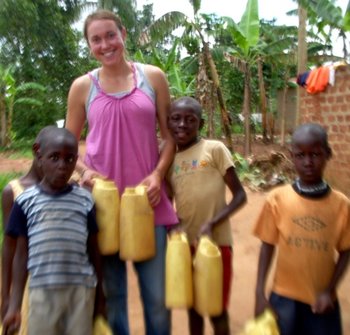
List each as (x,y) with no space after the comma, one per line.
(297,318)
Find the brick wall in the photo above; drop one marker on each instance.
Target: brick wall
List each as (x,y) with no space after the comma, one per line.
(331,109)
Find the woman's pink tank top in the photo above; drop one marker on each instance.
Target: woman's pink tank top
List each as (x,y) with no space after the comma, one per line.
(122,142)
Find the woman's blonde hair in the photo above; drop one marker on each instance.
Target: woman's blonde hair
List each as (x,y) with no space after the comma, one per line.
(102,14)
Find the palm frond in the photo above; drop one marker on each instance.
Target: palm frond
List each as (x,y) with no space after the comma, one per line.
(163,27)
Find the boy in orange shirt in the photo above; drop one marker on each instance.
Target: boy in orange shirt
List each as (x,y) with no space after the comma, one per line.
(309,223)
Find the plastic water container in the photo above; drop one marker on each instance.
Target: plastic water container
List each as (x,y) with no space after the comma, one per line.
(208,278)
(101,326)
(137,231)
(106,197)
(264,324)
(178,274)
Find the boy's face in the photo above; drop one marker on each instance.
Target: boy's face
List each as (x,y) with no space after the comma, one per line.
(184,125)
(310,158)
(58,160)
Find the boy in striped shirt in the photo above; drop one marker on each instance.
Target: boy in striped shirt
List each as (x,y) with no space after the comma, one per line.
(55,226)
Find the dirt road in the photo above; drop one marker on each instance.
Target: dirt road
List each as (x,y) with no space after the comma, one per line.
(246,248)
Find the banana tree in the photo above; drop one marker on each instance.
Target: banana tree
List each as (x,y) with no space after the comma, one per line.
(244,55)
(9,99)
(180,83)
(194,28)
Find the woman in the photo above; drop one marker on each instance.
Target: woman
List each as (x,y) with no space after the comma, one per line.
(122,102)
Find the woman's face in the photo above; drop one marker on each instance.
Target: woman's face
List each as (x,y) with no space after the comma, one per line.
(106,41)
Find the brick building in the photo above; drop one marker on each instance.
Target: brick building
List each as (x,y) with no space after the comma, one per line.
(331,108)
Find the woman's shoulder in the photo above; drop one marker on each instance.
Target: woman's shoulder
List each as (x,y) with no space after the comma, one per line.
(80,88)
(153,72)
(82,81)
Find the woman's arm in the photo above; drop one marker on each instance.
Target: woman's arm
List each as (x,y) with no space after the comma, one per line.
(160,85)
(75,121)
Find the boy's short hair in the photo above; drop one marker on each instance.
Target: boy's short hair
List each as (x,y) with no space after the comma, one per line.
(187,103)
(316,130)
(52,132)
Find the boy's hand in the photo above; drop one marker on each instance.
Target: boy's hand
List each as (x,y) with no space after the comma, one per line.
(11,323)
(4,307)
(206,229)
(324,303)
(261,303)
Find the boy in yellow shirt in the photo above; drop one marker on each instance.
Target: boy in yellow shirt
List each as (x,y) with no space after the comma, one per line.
(198,176)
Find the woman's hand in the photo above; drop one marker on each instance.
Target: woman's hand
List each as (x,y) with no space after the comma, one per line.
(153,183)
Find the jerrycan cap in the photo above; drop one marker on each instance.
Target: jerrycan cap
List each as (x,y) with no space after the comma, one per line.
(178,236)
(207,247)
(106,183)
(141,189)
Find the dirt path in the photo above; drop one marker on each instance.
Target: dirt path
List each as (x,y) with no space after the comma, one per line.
(246,248)
(244,263)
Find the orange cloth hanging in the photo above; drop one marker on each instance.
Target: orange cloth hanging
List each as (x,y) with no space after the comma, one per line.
(318,80)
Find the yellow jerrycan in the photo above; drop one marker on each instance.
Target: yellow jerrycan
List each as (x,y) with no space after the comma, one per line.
(137,231)
(178,272)
(101,326)
(264,324)
(208,278)
(106,197)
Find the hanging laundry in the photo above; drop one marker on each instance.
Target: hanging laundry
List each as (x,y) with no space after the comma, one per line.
(317,80)
(302,77)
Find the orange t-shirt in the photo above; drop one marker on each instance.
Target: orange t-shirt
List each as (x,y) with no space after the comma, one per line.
(308,234)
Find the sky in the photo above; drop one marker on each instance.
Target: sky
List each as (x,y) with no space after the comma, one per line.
(268,9)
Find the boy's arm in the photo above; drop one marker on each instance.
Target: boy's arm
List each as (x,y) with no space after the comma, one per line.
(325,300)
(265,258)
(95,259)
(239,198)
(12,319)
(8,250)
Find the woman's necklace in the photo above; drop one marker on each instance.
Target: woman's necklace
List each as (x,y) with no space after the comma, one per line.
(313,190)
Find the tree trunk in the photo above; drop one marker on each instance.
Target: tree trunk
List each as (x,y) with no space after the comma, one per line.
(302,53)
(205,95)
(246,112)
(262,99)
(283,116)
(224,114)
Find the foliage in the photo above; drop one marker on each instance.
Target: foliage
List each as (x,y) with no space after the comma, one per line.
(247,174)
(29,95)
(37,38)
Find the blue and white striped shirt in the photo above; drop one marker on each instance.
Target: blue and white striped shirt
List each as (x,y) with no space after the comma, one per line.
(57,227)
